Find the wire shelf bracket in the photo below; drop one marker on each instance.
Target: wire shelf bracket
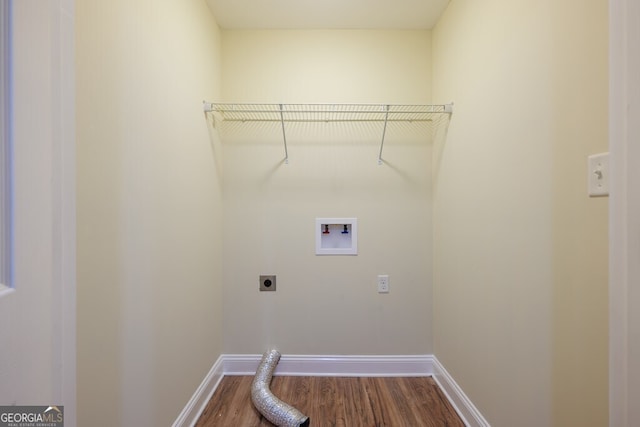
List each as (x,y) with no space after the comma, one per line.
(284,135)
(309,113)
(384,133)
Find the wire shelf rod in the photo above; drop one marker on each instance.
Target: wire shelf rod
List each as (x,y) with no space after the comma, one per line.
(300,111)
(313,109)
(279,120)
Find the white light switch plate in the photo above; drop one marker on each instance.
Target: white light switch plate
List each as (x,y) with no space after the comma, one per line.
(598,175)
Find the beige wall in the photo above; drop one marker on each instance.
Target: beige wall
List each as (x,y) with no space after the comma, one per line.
(520,283)
(149,214)
(327,66)
(327,304)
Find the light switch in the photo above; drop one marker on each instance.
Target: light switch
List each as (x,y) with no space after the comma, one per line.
(598,175)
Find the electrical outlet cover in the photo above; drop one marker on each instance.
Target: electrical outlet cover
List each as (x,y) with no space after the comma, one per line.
(383,283)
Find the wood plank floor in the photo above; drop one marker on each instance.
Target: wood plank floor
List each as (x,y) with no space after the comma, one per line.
(336,401)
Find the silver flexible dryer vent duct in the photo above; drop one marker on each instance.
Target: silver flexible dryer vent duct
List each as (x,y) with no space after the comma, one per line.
(272,408)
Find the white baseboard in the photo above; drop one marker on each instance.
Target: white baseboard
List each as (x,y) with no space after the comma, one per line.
(333,366)
(190,414)
(465,408)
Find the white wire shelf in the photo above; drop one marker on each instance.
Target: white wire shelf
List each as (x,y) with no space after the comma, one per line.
(327,113)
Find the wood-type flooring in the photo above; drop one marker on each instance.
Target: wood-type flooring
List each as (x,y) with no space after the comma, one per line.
(336,401)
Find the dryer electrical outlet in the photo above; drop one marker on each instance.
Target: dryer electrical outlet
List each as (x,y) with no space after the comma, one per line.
(268,282)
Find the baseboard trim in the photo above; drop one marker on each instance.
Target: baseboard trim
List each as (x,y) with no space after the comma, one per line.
(462,404)
(332,366)
(190,414)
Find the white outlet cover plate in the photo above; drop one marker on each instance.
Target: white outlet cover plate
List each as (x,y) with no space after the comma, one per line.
(598,179)
(383,284)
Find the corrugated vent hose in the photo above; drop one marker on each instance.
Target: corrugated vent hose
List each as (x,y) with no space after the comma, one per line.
(272,408)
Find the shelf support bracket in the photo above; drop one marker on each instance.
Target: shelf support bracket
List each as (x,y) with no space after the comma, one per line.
(384,132)
(284,135)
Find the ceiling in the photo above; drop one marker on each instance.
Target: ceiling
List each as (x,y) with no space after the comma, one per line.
(327,14)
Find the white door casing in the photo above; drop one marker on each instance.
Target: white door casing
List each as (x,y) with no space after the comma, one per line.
(624,252)
(37,317)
